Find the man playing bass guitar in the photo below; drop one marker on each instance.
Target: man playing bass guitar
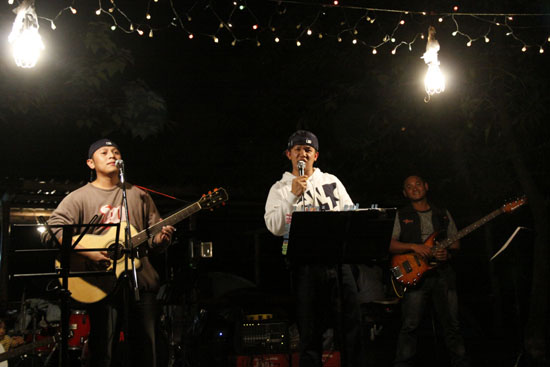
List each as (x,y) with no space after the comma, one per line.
(413,225)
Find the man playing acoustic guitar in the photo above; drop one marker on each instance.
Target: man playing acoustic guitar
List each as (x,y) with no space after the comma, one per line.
(413,225)
(103,198)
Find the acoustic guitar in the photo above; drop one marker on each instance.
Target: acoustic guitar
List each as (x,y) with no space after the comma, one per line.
(408,268)
(91,289)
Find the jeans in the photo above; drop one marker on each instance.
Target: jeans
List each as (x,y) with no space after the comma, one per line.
(316,288)
(106,322)
(438,287)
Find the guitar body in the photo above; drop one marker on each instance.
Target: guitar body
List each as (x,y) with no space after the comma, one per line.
(408,268)
(90,289)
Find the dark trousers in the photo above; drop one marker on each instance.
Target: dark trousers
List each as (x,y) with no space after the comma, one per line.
(439,289)
(316,289)
(106,322)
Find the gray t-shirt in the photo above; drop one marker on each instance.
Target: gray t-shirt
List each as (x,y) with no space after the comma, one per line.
(81,205)
(426,225)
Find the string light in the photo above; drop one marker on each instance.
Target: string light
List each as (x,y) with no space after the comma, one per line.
(24,37)
(434,82)
(349,19)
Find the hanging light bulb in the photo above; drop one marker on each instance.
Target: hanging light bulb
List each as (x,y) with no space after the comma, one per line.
(24,37)
(434,82)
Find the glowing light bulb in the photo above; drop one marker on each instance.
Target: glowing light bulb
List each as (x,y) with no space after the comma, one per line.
(151,33)
(469,43)
(191,36)
(524,48)
(440,20)
(320,35)
(216,40)
(434,81)
(24,37)
(374,52)
(298,43)
(541,50)
(309,32)
(255,26)
(73,10)
(148,16)
(277,39)
(98,12)
(487,39)
(402,22)
(354,41)
(113,27)
(140,32)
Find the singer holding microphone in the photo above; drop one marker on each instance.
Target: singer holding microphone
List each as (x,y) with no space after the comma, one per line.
(103,197)
(307,187)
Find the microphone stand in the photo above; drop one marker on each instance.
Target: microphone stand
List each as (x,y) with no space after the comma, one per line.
(131,253)
(127,232)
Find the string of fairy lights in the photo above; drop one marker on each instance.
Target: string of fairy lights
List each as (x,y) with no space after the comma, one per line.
(291,21)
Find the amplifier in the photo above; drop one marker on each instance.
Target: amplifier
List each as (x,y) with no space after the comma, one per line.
(263,337)
(330,359)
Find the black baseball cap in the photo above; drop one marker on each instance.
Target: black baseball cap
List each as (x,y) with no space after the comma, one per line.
(303,137)
(101,143)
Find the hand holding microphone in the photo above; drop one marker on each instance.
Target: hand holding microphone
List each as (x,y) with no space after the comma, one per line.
(299,184)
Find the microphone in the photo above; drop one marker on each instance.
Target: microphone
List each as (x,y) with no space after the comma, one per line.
(119,163)
(301,168)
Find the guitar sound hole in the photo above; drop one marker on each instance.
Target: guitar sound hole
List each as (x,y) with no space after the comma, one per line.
(116,251)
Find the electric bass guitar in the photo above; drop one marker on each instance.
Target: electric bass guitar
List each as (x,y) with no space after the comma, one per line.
(408,268)
(91,289)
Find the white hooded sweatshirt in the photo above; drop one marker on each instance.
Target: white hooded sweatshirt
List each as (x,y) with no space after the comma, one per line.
(324,191)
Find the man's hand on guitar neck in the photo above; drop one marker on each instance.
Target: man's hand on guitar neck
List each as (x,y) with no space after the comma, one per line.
(164,236)
(442,254)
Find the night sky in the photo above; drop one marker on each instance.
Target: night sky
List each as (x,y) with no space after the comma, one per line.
(191,115)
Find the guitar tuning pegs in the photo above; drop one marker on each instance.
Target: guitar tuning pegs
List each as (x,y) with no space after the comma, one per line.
(216,189)
(209,192)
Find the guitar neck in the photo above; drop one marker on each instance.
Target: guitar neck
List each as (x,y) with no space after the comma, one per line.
(472,227)
(144,235)
(22,349)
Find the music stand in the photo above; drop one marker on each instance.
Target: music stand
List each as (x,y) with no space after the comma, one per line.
(348,237)
(337,238)
(63,273)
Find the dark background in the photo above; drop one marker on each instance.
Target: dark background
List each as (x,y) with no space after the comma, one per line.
(192,115)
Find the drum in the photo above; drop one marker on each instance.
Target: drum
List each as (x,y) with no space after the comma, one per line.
(79,328)
(43,339)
